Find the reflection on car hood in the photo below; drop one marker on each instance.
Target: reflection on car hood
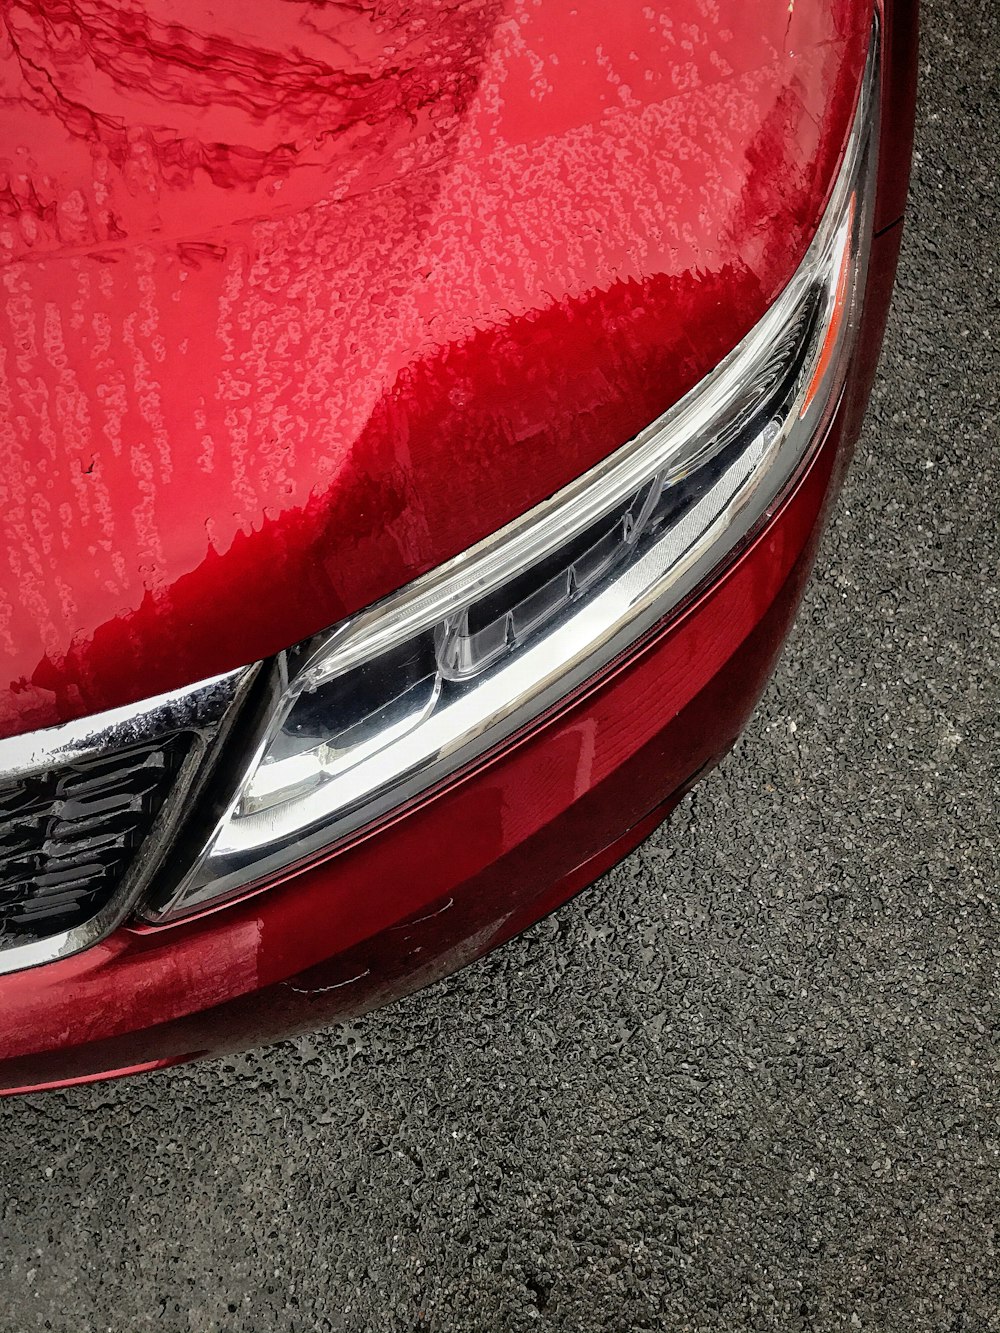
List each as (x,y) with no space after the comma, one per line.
(300,301)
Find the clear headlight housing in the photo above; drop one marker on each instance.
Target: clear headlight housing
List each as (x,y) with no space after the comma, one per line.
(402,695)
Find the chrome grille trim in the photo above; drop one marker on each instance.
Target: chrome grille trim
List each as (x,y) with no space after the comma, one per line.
(194,708)
(195,719)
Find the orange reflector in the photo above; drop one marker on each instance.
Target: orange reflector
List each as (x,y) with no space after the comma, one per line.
(836,317)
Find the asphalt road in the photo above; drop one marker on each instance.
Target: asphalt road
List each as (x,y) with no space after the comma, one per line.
(749,1080)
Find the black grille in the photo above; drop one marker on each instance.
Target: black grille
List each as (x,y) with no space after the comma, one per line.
(67,837)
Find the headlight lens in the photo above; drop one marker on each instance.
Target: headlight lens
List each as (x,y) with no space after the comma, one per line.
(400,696)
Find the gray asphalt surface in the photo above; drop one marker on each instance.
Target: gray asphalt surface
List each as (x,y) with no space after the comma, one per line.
(751,1079)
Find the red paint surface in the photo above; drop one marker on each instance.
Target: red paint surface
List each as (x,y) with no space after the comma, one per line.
(299,299)
(414,900)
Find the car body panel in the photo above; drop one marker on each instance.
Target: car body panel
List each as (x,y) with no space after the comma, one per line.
(448,254)
(300,301)
(473,864)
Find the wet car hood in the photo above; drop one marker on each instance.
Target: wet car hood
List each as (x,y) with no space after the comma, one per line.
(300,300)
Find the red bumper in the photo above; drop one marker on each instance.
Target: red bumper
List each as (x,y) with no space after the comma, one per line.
(472,865)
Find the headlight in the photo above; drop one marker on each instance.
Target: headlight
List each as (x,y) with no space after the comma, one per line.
(386,705)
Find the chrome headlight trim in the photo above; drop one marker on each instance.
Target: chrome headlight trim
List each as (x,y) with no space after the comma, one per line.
(451,665)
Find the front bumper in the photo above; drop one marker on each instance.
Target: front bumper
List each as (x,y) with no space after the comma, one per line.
(475,863)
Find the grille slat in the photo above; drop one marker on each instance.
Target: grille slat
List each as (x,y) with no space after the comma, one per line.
(53,905)
(108,821)
(68,837)
(96,806)
(16,800)
(94,842)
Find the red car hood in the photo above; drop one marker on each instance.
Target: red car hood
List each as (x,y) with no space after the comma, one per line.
(300,300)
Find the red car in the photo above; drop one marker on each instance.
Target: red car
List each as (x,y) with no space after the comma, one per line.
(418,424)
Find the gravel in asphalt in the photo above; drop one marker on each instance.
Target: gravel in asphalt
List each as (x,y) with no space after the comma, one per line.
(749,1080)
